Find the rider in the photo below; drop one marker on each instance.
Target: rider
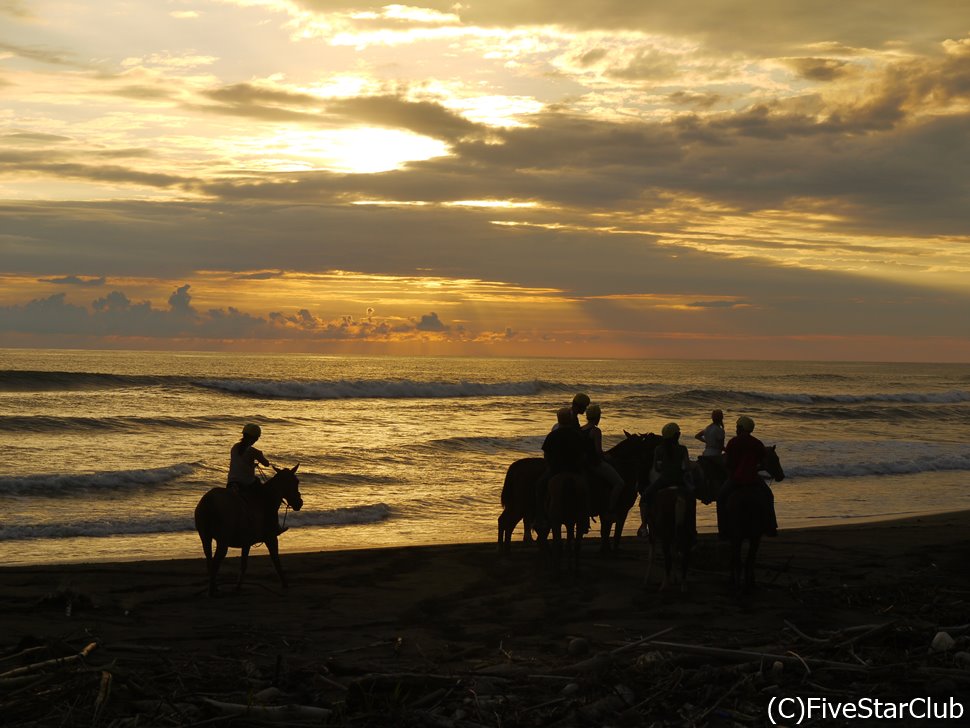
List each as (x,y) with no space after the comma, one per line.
(578,407)
(565,450)
(712,459)
(671,461)
(599,464)
(242,468)
(744,454)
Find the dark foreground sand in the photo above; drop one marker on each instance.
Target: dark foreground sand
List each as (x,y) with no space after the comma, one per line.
(457,636)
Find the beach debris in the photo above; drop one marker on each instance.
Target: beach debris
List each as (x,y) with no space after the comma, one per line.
(942,642)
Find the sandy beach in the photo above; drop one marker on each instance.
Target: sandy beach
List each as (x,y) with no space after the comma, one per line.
(459,636)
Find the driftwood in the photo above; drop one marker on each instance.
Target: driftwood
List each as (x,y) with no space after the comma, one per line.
(57,662)
(272,714)
(746,656)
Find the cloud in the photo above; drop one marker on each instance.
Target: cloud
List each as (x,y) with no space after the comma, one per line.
(430,322)
(75,281)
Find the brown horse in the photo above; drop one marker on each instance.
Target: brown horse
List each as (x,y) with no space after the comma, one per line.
(235,520)
(747,518)
(519,499)
(567,506)
(672,521)
(631,457)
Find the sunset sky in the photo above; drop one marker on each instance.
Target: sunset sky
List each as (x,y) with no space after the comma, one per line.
(715,178)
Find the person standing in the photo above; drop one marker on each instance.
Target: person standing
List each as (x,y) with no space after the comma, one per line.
(712,459)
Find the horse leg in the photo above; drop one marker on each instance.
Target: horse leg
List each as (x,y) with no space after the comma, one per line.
(646,575)
(220,554)
(527,525)
(753,545)
(605,527)
(273,545)
(618,530)
(735,562)
(243,559)
(668,562)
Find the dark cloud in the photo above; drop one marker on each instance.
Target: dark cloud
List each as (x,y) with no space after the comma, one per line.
(431,322)
(742,26)
(117,315)
(646,65)
(818,69)
(421,117)
(75,281)
(42,55)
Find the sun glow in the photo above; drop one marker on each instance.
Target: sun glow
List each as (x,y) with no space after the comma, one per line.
(359,150)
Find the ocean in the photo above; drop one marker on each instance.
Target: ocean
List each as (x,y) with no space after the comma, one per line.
(105,454)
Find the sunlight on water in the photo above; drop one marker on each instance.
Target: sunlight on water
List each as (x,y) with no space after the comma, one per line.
(108,452)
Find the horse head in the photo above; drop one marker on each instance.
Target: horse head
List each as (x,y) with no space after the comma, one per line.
(772,464)
(289,486)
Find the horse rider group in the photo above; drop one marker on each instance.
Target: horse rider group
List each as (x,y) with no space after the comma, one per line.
(569,448)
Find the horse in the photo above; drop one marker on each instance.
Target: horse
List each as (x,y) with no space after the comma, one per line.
(672,520)
(631,457)
(519,499)
(747,514)
(235,520)
(567,506)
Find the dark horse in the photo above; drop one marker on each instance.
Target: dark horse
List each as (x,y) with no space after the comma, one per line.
(567,505)
(747,515)
(238,521)
(631,457)
(671,520)
(519,499)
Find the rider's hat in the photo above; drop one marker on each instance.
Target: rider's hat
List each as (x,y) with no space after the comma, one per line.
(746,423)
(671,431)
(252,430)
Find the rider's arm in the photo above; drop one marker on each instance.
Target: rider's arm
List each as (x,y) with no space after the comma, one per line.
(700,436)
(260,458)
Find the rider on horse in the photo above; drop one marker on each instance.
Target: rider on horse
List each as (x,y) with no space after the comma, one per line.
(600,467)
(566,450)
(745,454)
(242,470)
(671,462)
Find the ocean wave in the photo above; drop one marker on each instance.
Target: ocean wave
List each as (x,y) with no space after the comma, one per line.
(64,484)
(372,388)
(103,528)
(46,423)
(23,380)
(728,395)
(898,466)
(488,444)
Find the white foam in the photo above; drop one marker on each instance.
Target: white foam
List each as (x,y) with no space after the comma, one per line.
(71,483)
(369,389)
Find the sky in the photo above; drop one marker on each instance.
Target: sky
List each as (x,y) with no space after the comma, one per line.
(762,179)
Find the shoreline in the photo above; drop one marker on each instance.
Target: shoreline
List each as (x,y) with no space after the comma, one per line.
(705,526)
(432,634)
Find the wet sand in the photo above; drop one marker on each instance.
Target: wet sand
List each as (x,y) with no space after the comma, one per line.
(450,623)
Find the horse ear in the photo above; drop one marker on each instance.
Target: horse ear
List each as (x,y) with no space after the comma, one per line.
(627,433)
(295,467)
(275,468)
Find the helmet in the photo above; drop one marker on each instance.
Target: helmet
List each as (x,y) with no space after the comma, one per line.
(593,412)
(581,402)
(671,431)
(565,416)
(252,431)
(745,423)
